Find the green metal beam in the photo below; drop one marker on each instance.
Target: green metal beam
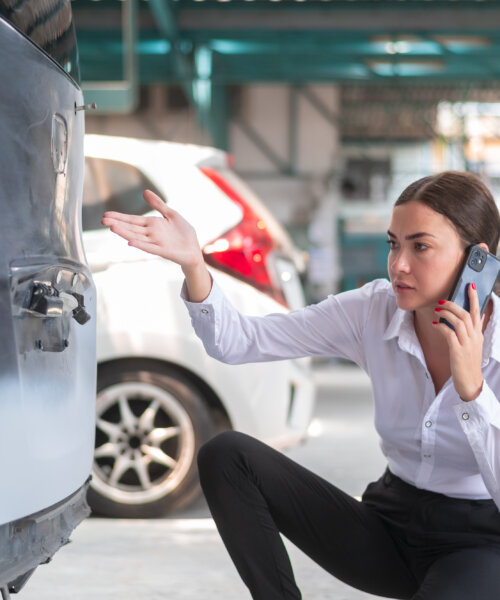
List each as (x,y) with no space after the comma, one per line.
(119,95)
(219,121)
(266,48)
(166,20)
(104,56)
(210,98)
(293,120)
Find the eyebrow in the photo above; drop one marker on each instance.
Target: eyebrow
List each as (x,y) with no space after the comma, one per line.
(413,236)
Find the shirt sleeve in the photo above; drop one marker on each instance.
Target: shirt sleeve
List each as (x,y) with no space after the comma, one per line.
(333,327)
(480,421)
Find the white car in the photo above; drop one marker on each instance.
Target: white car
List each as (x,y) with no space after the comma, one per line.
(160,396)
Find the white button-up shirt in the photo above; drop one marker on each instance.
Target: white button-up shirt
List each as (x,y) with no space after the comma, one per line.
(435,442)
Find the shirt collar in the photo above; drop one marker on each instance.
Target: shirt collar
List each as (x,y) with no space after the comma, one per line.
(401,321)
(402,327)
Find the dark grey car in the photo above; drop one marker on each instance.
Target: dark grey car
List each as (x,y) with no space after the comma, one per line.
(47,296)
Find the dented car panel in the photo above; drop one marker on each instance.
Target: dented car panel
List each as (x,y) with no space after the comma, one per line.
(47,309)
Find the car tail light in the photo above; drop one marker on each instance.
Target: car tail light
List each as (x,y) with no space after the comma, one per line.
(243,251)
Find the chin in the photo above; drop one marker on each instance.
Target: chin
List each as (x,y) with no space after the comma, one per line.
(409,301)
(406,304)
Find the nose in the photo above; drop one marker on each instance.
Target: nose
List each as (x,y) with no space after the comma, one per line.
(399,263)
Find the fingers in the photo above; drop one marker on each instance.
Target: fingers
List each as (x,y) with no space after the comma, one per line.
(144,233)
(129,226)
(465,323)
(475,309)
(111,217)
(157,203)
(146,246)
(447,332)
(130,229)
(460,329)
(131,232)
(450,308)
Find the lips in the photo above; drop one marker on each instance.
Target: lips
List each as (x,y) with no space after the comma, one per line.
(400,286)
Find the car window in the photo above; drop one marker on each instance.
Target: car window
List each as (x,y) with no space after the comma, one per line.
(112,185)
(50,25)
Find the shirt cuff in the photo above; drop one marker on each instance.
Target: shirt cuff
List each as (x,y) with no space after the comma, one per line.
(214,299)
(483,411)
(184,293)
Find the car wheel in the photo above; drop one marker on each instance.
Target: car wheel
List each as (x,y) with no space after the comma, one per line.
(150,424)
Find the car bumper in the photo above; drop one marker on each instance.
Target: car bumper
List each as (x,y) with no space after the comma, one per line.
(33,540)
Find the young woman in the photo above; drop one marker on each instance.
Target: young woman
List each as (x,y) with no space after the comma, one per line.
(429,528)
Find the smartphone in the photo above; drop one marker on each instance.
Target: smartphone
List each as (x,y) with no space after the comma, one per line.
(480,267)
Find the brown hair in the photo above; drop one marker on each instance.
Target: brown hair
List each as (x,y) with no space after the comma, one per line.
(464,200)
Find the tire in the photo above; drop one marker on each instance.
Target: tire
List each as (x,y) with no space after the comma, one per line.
(150,424)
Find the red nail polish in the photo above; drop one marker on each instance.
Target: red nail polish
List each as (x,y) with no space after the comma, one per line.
(435,323)
(441,301)
(473,286)
(437,309)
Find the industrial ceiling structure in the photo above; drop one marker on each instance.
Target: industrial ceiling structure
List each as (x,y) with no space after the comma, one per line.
(237,41)
(206,45)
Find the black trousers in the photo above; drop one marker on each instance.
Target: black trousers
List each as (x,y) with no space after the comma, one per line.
(399,542)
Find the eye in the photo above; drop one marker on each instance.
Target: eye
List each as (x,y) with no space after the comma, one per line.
(392,244)
(420,247)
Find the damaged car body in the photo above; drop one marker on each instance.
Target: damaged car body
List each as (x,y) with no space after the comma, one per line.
(47,295)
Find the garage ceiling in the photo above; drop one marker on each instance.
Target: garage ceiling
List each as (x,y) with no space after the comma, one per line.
(240,41)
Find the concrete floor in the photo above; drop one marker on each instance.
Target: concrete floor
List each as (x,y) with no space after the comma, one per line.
(182,556)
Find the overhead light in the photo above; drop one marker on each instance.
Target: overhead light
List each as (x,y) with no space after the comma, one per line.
(399,47)
(380,39)
(405,44)
(463,41)
(406,67)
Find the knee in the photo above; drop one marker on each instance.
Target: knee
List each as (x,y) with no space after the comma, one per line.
(219,451)
(218,448)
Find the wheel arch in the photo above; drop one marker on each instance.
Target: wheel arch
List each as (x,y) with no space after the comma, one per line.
(207,394)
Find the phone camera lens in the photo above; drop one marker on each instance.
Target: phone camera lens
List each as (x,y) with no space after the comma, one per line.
(473,262)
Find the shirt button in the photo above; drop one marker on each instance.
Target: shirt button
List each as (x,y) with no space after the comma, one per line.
(204,311)
(465,416)
(428,423)
(427,455)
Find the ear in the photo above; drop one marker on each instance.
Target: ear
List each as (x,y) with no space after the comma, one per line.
(484,246)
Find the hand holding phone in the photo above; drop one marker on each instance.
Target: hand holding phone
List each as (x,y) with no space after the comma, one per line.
(480,267)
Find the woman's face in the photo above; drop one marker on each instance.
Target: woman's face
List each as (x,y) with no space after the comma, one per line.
(425,255)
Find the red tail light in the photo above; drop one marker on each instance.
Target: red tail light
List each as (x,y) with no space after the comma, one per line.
(244,250)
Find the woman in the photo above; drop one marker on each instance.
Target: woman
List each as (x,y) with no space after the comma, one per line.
(429,528)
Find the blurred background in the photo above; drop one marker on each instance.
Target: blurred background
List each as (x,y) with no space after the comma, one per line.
(328,108)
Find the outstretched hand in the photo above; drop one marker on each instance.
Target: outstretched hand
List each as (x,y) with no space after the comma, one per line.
(169,236)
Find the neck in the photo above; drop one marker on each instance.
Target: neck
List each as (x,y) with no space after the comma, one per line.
(425,330)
